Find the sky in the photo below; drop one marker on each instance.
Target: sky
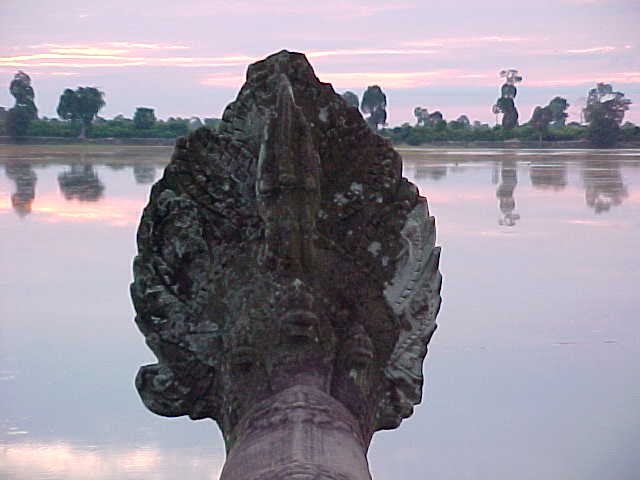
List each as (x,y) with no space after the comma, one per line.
(189,58)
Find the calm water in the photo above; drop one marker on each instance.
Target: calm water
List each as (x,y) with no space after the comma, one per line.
(533,373)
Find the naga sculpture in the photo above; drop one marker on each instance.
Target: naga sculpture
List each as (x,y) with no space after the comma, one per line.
(287,281)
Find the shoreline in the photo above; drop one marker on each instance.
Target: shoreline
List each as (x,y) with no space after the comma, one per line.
(33,141)
(170,142)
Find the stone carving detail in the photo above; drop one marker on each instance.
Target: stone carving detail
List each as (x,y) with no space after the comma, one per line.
(285,255)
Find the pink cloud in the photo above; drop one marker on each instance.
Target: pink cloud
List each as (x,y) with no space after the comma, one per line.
(358,79)
(357,52)
(466,41)
(592,50)
(630,77)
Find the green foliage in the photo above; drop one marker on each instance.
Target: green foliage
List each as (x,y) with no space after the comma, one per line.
(374,102)
(144,118)
(508,91)
(505,103)
(351,99)
(120,128)
(540,120)
(81,105)
(194,123)
(509,112)
(125,128)
(463,121)
(630,132)
(602,101)
(422,116)
(452,132)
(22,90)
(212,122)
(53,128)
(18,120)
(603,130)
(558,107)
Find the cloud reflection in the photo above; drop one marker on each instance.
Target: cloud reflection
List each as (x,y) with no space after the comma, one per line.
(22,461)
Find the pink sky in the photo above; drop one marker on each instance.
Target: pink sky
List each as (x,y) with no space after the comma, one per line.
(188,58)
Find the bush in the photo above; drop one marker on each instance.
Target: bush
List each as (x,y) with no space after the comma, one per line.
(17,122)
(53,128)
(603,131)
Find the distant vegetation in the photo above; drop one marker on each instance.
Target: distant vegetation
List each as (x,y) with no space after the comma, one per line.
(78,111)
(604,113)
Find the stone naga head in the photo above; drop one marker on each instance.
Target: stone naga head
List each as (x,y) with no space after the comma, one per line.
(285,249)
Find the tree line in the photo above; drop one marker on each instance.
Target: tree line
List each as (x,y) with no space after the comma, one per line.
(78,112)
(603,113)
(78,117)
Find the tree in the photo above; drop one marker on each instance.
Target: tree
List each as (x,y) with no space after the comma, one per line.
(17,122)
(144,118)
(426,119)
(422,116)
(81,105)
(540,120)
(605,101)
(604,111)
(436,118)
(351,99)
(212,122)
(374,102)
(18,118)
(463,121)
(22,90)
(558,107)
(194,123)
(602,130)
(505,104)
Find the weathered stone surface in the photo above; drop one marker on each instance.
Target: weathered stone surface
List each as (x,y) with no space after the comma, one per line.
(287,280)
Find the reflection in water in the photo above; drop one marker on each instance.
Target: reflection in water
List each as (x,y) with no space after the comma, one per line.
(548,175)
(81,183)
(144,173)
(509,180)
(581,366)
(603,185)
(25,461)
(25,179)
(434,172)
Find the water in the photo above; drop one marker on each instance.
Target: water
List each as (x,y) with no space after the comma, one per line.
(533,372)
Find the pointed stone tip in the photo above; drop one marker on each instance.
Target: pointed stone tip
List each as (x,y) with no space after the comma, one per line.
(283,57)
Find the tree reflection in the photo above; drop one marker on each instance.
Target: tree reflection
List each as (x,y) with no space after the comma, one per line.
(81,183)
(144,173)
(604,187)
(434,172)
(548,175)
(25,179)
(508,182)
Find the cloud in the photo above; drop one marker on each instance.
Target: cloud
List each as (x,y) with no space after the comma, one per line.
(334,9)
(64,460)
(358,52)
(592,50)
(359,79)
(88,57)
(466,41)
(118,212)
(135,54)
(148,46)
(628,77)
